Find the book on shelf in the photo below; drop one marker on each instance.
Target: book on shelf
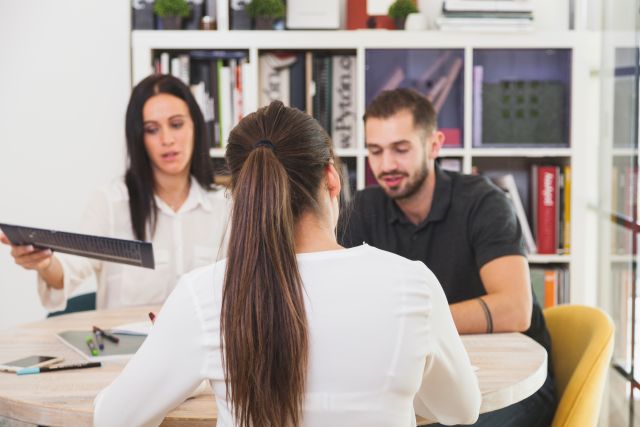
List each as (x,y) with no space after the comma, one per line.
(308,82)
(566,211)
(163,63)
(550,288)
(322,71)
(545,207)
(203,75)
(483,25)
(550,285)
(551,208)
(304,14)
(321,83)
(488,5)
(343,107)
(508,184)
(225,112)
(542,205)
(478,76)
(180,68)
(297,83)
(508,16)
(218,80)
(274,78)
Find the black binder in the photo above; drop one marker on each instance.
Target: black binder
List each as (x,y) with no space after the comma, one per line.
(132,252)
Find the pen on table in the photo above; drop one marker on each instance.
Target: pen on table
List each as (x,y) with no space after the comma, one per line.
(98,336)
(27,371)
(107,335)
(152,317)
(92,346)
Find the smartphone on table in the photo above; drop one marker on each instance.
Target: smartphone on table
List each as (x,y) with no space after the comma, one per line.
(29,362)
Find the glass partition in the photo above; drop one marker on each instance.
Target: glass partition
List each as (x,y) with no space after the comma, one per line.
(618,206)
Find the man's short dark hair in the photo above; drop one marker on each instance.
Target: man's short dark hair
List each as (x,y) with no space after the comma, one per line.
(393,101)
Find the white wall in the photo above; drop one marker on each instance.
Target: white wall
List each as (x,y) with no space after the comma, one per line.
(64,84)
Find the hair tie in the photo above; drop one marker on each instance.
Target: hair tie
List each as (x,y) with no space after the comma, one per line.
(264,143)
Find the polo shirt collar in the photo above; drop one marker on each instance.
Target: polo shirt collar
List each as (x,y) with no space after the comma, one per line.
(439,206)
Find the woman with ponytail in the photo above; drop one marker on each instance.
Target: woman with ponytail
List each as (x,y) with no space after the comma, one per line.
(291,329)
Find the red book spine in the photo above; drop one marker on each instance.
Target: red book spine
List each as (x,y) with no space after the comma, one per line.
(547,231)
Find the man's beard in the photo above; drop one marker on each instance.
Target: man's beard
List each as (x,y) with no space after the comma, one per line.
(412,187)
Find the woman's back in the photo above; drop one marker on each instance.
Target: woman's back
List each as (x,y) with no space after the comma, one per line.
(375,321)
(380,334)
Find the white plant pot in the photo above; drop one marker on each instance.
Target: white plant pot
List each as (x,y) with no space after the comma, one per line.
(415,22)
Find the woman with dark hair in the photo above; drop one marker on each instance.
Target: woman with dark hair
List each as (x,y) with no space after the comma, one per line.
(292,329)
(166,197)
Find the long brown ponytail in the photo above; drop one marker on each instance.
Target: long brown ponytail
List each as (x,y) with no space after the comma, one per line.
(277,157)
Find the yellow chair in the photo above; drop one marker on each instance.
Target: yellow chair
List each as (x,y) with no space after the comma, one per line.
(581,348)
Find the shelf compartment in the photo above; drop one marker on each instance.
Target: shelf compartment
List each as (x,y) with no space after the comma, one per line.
(435,73)
(521,97)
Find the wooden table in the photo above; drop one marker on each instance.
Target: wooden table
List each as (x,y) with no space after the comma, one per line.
(511,368)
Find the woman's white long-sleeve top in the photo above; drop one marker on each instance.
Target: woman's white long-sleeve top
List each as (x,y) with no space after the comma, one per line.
(183,240)
(383,347)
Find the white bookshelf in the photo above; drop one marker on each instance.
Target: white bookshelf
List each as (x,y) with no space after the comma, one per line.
(582,289)
(624,152)
(549,259)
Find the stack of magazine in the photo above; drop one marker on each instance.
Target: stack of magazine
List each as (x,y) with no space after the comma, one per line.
(486,15)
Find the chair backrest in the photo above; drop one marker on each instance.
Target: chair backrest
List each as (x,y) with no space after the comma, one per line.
(82,302)
(581,348)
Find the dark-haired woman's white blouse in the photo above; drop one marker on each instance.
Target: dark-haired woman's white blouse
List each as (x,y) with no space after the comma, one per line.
(183,240)
(383,348)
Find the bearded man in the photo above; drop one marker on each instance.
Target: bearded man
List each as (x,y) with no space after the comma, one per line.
(462,227)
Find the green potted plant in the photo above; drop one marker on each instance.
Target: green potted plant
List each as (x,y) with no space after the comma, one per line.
(399,10)
(171,12)
(265,12)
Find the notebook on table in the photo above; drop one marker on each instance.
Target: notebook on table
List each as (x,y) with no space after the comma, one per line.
(124,349)
(132,252)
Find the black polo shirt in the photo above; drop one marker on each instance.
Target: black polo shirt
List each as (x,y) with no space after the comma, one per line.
(471,222)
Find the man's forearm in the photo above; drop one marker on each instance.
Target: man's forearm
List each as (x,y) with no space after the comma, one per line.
(505,315)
